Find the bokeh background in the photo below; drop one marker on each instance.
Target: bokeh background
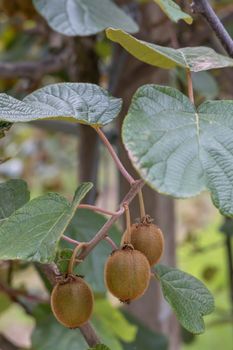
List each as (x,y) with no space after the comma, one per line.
(56,156)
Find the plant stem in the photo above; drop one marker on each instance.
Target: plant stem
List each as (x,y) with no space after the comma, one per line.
(111,242)
(190,85)
(101,234)
(94,208)
(141,204)
(89,334)
(73,257)
(204,8)
(120,166)
(70,240)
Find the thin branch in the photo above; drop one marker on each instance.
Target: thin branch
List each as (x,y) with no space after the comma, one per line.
(14,294)
(35,69)
(102,233)
(203,8)
(120,166)
(89,334)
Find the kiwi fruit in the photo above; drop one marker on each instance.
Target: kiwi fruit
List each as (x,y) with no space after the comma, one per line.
(72,301)
(127,273)
(148,239)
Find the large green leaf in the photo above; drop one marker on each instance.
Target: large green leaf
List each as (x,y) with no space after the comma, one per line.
(84,17)
(193,58)
(188,296)
(173,11)
(32,232)
(13,195)
(83,227)
(4,126)
(77,102)
(112,321)
(179,150)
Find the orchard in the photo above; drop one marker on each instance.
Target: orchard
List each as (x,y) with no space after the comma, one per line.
(106,261)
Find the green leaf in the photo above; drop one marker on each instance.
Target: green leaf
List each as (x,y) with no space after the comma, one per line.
(193,58)
(173,11)
(77,102)
(32,232)
(179,150)
(110,318)
(188,297)
(13,195)
(84,17)
(3,128)
(100,347)
(145,338)
(83,227)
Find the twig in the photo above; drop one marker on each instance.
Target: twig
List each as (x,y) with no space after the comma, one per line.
(14,294)
(120,166)
(204,8)
(36,69)
(137,186)
(89,334)
(190,85)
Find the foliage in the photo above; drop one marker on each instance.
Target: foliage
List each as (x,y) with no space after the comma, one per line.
(187,295)
(178,148)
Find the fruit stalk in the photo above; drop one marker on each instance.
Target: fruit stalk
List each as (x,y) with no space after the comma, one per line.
(73,257)
(190,85)
(141,204)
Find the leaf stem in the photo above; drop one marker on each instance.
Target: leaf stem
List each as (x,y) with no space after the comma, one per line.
(73,257)
(97,209)
(119,165)
(190,85)
(70,240)
(141,204)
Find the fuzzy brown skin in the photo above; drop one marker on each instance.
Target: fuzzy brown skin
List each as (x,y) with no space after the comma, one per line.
(149,240)
(72,302)
(127,274)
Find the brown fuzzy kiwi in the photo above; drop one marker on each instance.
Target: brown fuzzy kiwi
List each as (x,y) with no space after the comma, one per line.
(72,301)
(127,274)
(148,239)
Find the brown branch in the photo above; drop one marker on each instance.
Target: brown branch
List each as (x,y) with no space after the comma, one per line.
(203,8)
(89,334)
(36,69)
(103,232)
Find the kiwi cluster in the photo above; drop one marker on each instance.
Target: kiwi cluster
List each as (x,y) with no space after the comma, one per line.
(127,274)
(127,270)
